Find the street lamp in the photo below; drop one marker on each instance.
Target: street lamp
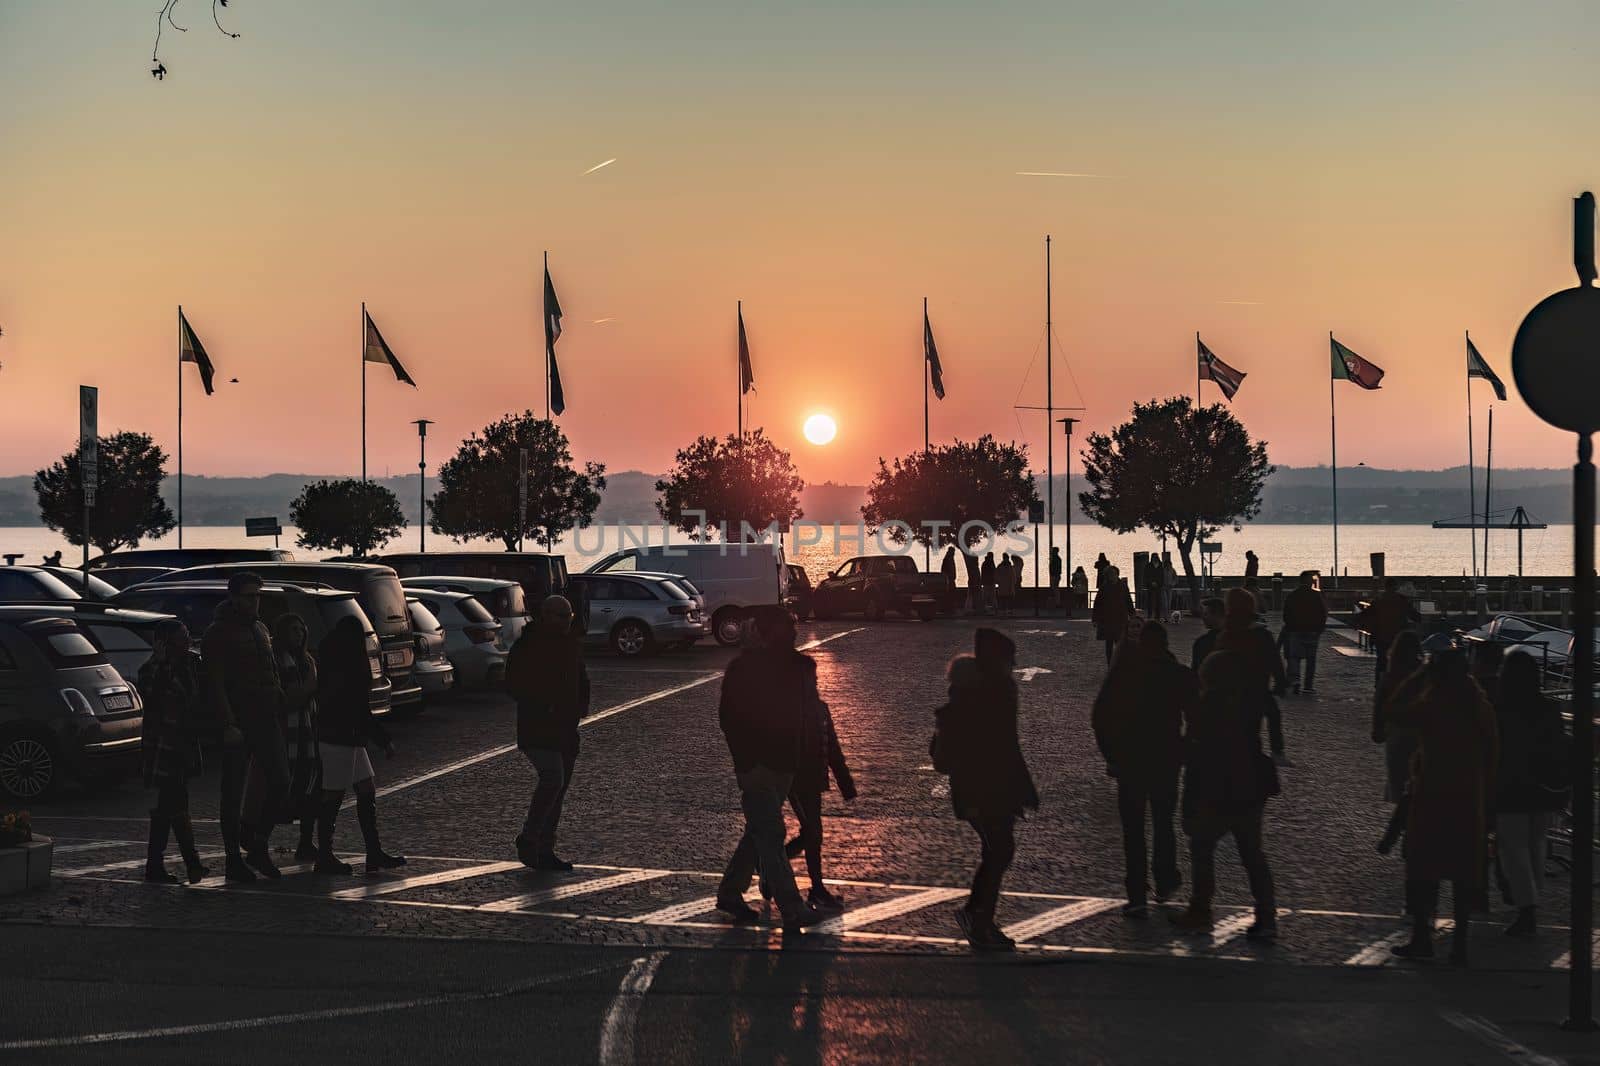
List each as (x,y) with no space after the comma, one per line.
(1066,566)
(422,425)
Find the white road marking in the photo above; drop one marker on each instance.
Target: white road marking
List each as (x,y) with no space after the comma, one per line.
(1028,673)
(123,1036)
(1492,1035)
(1381,953)
(1229,928)
(438,877)
(1057,918)
(893,908)
(129,864)
(679,912)
(622,1017)
(569,891)
(96,845)
(1564,960)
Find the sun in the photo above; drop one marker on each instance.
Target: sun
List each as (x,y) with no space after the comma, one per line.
(820,428)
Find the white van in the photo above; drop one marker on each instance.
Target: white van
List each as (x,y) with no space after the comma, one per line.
(732,577)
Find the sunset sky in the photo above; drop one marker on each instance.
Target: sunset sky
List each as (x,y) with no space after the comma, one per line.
(1262,172)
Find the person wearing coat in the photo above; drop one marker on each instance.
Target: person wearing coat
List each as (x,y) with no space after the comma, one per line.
(819,754)
(1386,617)
(974,582)
(1138,725)
(1227,781)
(297,671)
(1452,784)
(1055,577)
(545,674)
(947,570)
(975,743)
(1112,609)
(1305,616)
(345,727)
(1530,785)
(1005,584)
(989,572)
(1243,632)
(1399,740)
(170,683)
(1080,589)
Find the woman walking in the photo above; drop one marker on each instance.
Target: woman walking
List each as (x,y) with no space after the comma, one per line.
(975,742)
(1530,786)
(346,726)
(1112,609)
(1397,687)
(297,671)
(1243,632)
(819,754)
(170,684)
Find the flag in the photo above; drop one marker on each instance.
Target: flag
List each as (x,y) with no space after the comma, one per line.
(376,350)
(1348,366)
(1213,369)
(1477,367)
(552,333)
(747,374)
(190,350)
(930,352)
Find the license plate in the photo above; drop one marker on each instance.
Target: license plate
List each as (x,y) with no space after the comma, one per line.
(117,701)
(396,658)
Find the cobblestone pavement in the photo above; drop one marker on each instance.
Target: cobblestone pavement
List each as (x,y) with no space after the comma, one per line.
(653,814)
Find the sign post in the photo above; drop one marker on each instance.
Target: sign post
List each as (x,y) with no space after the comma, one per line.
(88,457)
(267,526)
(522,494)
(1036,516)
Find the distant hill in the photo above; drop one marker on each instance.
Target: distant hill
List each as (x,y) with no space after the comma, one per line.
(1293,495)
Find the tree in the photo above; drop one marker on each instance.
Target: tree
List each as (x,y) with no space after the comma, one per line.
(350,513)
(478,492)
(128,504)
(1176,471)
(939,492)
(720,483)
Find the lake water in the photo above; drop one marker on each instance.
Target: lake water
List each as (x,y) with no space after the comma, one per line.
(1417,550)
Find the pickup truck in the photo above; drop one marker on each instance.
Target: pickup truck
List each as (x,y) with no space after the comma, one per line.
(874,585)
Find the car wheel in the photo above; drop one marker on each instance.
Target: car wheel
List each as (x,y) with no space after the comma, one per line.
(630,639)
(874,611)
(928,613)
(30,767)
(728,626)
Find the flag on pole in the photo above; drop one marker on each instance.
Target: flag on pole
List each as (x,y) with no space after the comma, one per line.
(1213,369)
(376,350)
(1348,366)
(552,333)
(930,351)
(747,374)
(190,350)
(1478,367)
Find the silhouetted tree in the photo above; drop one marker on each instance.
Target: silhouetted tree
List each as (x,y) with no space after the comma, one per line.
(128,504)
(959,483)
(349,513)
(721,482)
(478,491)
(1176,471)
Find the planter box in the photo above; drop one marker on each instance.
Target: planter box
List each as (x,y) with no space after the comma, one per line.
(25,866)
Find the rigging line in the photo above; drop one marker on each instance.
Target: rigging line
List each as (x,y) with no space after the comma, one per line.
(1068,364)
(218,21)
(1025,374)
(170,9)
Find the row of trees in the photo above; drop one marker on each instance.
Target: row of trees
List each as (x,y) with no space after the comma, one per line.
(1172,469)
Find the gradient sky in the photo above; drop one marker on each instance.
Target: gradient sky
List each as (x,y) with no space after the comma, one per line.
(1266,171)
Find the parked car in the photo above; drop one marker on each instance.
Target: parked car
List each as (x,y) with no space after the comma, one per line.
(376,587)
(877,584)
(126,637)
(63,708)
(30,584)
(182,558)
(122,577)
(434,671)
(539,573)
(472,636)
(506,600)
(637,614)
(196,603)
(799,596)
(733,578)
(89,586)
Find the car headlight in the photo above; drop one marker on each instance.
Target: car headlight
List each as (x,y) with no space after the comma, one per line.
(77,702)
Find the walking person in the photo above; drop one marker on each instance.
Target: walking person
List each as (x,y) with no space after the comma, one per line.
(1055,577)
(1243,632)
(947,570)
(1397,688)
(242,686)
(170,683)
(1252,565)
(1227,781)
(990,575)
(1530,786)
(974,583)
(1100,564)
(1211,614)
(1112,609)
(1385,618)
(1305,616)
(765,694)
(297,673)
(975,743)
(1005,583)
(1452,782)
(1138,725)
(1080,590)
(546,675)
(819,754)
(346,727)
(1154,580)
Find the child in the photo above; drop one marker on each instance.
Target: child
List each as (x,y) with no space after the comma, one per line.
(820,753)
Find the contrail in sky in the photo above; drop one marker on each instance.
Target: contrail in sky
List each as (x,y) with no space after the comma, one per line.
(1053,174)
(596,167)
(1241,303)
(600,321)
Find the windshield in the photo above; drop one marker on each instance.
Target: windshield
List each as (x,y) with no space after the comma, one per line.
(422,619)
(384,600)
(334,609)
(675,590)
(64,644)
(507,602)
(474,612)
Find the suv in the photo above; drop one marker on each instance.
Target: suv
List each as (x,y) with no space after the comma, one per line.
(179,558)
(376,587)
(196,603)
(637,614)
(540,574)
(875,584)
(731,578)
(63,707)
(30,584)
(503,599)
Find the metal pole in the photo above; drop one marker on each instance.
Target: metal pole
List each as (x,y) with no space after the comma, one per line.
(1197,376)
(363,365)
(1488,485)
(1472,487)
(1333,434)
(927,376)
(1049,402)
(1580,1005)
(180,427)
(544,304)
(738,373)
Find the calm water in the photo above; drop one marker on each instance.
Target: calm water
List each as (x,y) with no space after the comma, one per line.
(1282,548)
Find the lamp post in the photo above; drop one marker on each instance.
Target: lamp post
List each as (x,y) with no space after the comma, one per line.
(422,425)
(1066,564)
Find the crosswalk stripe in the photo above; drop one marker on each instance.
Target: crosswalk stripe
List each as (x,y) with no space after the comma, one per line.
(93,845)
(679,912)
(893,908)
(568,891)
(1564,960)
(439,877)
(1058,917)
(1380,952)
(1226,930)
(129,864)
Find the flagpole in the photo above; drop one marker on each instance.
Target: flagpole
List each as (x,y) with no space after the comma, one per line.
(1472,488)
(1488,484)
(1333,434)
(544,303)
(738,373)
(363,352)
(927,377)
(1197,373)
(180,426)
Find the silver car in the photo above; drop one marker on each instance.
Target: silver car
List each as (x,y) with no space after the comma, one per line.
(433,671)
(504,599)
(636,613)
(472,636)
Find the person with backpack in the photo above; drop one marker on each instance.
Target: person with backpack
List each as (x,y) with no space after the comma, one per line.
(1531,785)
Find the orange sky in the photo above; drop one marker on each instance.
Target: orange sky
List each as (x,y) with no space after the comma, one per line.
(1266,172)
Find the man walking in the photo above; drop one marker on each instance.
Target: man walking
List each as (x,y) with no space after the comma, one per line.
(242,679)
(546,676)
(1386,618)
(1211,617)
(947,570)
(1305,616)
(762,713)
(1055,577)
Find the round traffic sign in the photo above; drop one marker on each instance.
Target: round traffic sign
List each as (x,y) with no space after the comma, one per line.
(1556,360)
